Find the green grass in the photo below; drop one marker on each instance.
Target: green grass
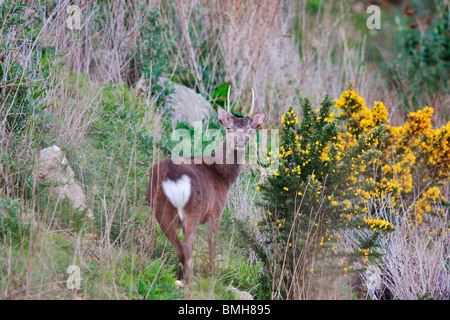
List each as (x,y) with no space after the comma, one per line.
(130,258)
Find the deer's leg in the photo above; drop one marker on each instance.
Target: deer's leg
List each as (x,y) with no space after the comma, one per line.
(170,230)
(190,226)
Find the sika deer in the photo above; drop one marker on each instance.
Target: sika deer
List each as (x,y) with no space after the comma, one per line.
(186,195)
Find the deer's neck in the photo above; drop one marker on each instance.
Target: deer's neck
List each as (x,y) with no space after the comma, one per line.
(228,163)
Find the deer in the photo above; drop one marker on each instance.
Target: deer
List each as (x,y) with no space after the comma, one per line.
(185,194)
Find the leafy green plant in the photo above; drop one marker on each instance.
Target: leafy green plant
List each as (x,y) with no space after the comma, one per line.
(13,225)
(219,96)
(153,52)
(59,214)
(422,62)
(134,279)
(157,282)
(24,71)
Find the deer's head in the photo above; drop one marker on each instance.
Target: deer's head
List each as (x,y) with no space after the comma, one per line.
(239,129)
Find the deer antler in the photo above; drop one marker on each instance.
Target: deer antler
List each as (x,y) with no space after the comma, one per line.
(228,99)
(253,103)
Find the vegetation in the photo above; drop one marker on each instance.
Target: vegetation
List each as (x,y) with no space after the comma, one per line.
(336,174)
(422,57)
(361,191)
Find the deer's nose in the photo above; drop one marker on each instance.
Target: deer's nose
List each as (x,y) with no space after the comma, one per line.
(240,142)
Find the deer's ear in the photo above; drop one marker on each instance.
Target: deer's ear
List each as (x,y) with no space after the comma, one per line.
(258,120)
(223,117)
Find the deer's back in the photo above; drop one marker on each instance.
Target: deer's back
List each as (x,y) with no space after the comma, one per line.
(195,187)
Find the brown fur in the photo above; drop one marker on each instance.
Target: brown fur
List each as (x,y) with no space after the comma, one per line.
(209,188)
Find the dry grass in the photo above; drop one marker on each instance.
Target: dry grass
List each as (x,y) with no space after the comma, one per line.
(258,47)
(79,74)
(415,265)
(415,257)
(416,262)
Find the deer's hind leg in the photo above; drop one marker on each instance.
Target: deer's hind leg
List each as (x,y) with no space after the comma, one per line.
(169,227)
(213,230)
(190,230)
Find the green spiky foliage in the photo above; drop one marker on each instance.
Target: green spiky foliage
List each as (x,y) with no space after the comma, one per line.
(316,194)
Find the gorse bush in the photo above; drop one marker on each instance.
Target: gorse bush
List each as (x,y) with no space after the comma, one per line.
(335,171)
(313,196)
(414,159)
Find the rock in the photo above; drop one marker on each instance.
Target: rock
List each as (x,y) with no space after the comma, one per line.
(187,105)
(372,284)
(179,284)
(53,167)
(240,295)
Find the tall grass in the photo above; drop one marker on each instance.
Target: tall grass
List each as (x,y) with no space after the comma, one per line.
(42,70)
(280,47)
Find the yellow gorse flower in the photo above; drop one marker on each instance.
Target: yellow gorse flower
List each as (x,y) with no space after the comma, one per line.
(378,224)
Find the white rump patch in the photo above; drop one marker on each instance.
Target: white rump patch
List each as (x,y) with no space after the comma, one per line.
(178,193)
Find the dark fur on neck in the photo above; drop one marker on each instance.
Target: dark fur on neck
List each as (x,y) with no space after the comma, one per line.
(227,171)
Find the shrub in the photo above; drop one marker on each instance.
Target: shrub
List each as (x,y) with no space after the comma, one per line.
(414,158)
(23,81)
(336,173)
(153,52)
(59,213)
(12,224)
(423,57)
(316,195)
